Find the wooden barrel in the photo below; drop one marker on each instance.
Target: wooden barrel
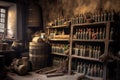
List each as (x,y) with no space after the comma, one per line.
(38,54)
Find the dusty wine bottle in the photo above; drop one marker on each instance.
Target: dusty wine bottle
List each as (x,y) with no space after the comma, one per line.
(112,15)
(90,51)
(111,33)
(81,50)
(98,17)
(100,33)
(84,50)
(81,34)
(105,15)
(94,70)
(109,16)
(84,36)
(88,70)
(104,33)
(94,52)
(101,72)
(98,52)
(91,71)
(98,70)
(102,17)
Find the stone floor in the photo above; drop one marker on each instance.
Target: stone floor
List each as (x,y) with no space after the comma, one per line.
(34,76)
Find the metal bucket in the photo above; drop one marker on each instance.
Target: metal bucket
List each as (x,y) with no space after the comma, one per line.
(38,54)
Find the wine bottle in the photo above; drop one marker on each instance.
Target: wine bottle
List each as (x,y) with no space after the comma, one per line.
(101,72)
(112,15)
(98,70)
(78,67)
(84,34)
(90,33)
(84,48)
(76,34)
(109,16)
(98,52)
(90,51)
(81,34)
(111,33)
(97,34)
(104,33)
(91,70)
(94,70)
(102,16)
(88,70)
(84,68)
(81,50)
(100,33)
(94,52)
(105,15)
(98,17)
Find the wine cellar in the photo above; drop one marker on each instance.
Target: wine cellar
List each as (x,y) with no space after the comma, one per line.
(59,39)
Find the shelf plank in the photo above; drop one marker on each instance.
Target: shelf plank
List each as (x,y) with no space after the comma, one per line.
(60,54)
(94,23)
(89,40)
(94,78)
(86,58)
(60,26)
(111,40)
(59,39)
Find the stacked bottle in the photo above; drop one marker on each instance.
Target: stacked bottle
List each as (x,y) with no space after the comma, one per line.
(59,21)
(104,16)
(59,48)
(96,17)
(87,51)
(89,33)
(58,32)
(58,60)
(81,18)
(111,37)
(94,70)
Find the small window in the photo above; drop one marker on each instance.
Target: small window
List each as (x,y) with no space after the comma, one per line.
(3,21)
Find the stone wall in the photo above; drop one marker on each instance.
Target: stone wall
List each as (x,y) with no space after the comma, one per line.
(53,9)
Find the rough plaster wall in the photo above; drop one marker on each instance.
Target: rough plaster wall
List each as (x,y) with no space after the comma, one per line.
(53,9)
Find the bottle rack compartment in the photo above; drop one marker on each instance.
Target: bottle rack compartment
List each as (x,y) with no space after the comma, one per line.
(89,33)
(90,50)
(87,68)
(60,48)
(94,17)
(60,33)
(59,60)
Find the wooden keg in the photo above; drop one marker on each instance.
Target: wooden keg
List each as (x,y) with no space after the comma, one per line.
(38,54)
